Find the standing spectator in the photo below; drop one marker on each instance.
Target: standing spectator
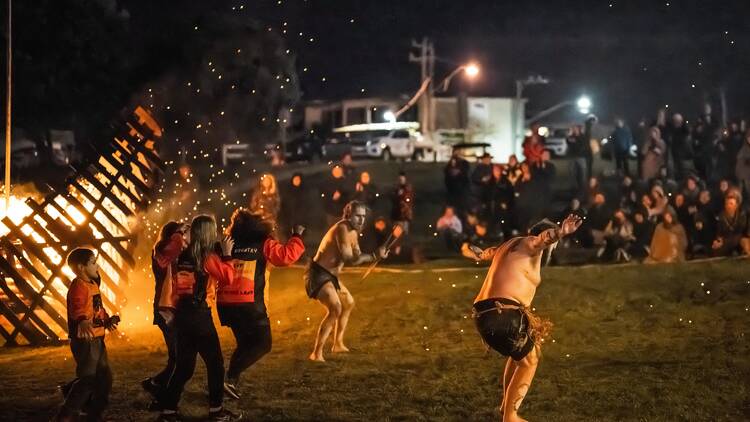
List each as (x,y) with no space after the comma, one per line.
(457,182)
(742,168)
(335,195)
(365,191)
(481,184)
(723,162)
(294,198)
(544,174)
(702,148)
(577,153)
(669,242)
(622,140)
(533,145)
(265,201)
(502,200)
(587,139)
(347,164)
(513,170)
(526,208)
(679,144)
(450,229)
(731,230)
(654,151)
(402,211)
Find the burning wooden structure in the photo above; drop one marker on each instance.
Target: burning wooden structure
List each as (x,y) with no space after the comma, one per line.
(99,207)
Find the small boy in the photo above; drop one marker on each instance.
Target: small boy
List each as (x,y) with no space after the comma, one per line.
(87,321)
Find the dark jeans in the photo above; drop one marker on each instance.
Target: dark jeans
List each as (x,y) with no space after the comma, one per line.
(94,378)
(196,335)
(621,162)
(580,173)
(170,339)
(253,342)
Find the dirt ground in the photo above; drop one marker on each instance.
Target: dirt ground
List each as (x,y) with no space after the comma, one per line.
(634,342)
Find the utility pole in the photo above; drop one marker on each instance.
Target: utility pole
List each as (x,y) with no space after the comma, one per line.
(426,60)
(7,110)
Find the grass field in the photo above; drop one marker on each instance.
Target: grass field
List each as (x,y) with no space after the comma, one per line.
(640,343)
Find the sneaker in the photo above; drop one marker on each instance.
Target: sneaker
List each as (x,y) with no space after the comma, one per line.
(149,387)
(154,406)
(224,415)
(231,390)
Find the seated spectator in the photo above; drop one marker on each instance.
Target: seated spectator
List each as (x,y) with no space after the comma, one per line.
(593,189)
(598,218)
(581,237)
(668,184)
(618,235)
(669,241)
(660,200)
(643,231)
(681,207)
(692,189)
(645,207)
(628,195)
(732,228)
(450,229)
(719,193)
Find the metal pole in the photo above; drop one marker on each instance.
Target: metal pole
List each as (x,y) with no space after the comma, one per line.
(7,112)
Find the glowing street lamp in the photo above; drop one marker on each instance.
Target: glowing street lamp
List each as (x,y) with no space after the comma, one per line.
(471,70)
(389,116)
(584,104)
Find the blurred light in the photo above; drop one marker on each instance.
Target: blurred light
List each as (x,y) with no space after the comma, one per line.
(389,116)
(471,70)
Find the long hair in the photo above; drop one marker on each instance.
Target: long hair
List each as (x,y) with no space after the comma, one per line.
(273,190)
(351,206)
(202,238)
(246,227)
(167,230)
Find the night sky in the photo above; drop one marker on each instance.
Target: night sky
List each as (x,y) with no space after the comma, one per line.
(630,57)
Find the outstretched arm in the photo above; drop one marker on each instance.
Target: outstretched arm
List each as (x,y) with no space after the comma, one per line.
(477,253)
(536,244)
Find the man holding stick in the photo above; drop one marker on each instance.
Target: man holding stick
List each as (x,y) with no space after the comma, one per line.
(502,308)
(340,245)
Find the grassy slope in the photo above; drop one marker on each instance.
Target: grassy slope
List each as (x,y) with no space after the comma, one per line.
(621,352)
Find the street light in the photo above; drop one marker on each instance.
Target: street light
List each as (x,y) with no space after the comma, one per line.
(584,104)
(471,70)
(389,116)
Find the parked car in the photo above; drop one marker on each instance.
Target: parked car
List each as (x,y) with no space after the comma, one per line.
(304,148)
(556,142)
(354,142)
(471,151)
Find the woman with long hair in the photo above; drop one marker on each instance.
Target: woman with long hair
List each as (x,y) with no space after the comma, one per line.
(194,275)
(265,200)
(173,238)
(242,305)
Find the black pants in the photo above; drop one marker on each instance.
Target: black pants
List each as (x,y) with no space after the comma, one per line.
(94,378)
(253,342)
(196,335)
(170,339)
(621,162)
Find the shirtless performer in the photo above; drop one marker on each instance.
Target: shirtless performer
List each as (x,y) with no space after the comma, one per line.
(339,245)
(502,309)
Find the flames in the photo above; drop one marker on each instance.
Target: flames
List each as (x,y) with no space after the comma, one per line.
(97,209)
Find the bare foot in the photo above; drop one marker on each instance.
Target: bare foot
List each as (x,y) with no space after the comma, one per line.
(339,348)
(315,358)
(513,418)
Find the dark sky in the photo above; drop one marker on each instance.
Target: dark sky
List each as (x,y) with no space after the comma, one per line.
(629,56)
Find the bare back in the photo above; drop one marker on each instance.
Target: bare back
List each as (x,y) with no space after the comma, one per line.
(339,242)
(515,272)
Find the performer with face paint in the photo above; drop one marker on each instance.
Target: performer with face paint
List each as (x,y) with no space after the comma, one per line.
(340,245)
(502,308)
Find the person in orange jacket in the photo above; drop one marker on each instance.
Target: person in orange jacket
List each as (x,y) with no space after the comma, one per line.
(242,305)
(87,321)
